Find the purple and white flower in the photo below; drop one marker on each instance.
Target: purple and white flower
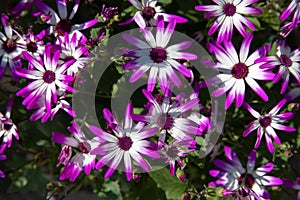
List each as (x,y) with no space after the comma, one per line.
(173,152)
(148,13)
(169,116)
(154,56)
(294,186)
(294,6)
(10,48)
(108,13)
(48,76)
(128,143)
(82,160)
(229,13)
(60,23)
(265,124)
(236,70)
(243,183)
(8,129)
(288,62)
(73,48)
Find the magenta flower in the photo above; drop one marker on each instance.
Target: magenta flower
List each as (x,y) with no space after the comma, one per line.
(48,76)
(73,48)
(148,13)
(236,70)
(243,183)
(154,56)
(294,6)
(7,128)
(229,13)
(10,48)
(83,159)
(60,23)
(288,62)
(265,124)
(32,44)
(294,186)
(173,152)
(128,144)
(169,116)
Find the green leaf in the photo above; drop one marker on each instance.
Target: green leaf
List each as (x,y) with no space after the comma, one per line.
(255,22)
(170,184)
(165,2)
(111,190)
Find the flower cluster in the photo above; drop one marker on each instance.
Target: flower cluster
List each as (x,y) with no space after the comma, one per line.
(161,126)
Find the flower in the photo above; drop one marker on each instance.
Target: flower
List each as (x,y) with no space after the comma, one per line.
(168,116)
(229,13)
(294,6)
(265,124)
(153,55)
(83,159)
(10,48)
(148,14)
(48,77)
(60,23)
(174,151)
(108,13)
(288,62)
(294,186)
(73,48)
(7,128)
(243,183)
(236,70)
(128,143)
(32,44)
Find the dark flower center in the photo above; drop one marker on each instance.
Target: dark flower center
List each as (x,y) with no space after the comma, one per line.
(229,9)
(265,121)
(7,125)
(247,179)
(32,47)
(172,152)
(148,13)
(63,26)
(125,143)
(49,76)
(239,71)
(9,46)
(165,121)
(285,61)
(158,54)
(68,58)
(84,147)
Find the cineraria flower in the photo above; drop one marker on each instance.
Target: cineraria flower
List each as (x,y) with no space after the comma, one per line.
(148,14)
(236,70)
(174,151)
(7,128)
(32,44)
(229,13)
(288,62)
(60,23)
(294,186)
(48,77)
(73,48)
(243,183)
(128,143)
(265,124)
(83,159)
(153,55)
(2,157)
(9,49)
(294,6)
(286,29)
(168,116)
(108,13)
